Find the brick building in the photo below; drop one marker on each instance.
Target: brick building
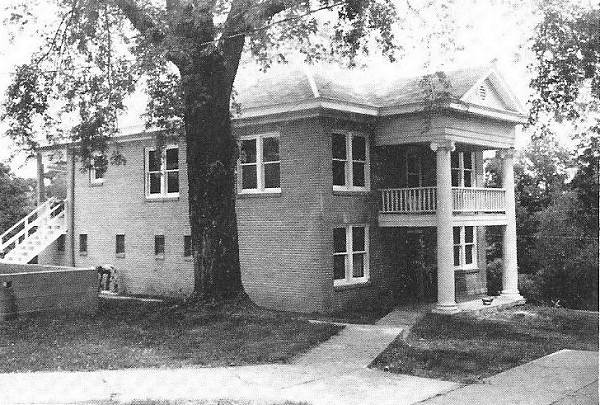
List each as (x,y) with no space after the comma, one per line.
(348,195)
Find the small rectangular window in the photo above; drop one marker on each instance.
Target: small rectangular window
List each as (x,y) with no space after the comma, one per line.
(83,243)
(159,245)
(120,244)
(187,246)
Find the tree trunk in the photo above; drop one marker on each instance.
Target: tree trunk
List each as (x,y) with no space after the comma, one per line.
(211,161)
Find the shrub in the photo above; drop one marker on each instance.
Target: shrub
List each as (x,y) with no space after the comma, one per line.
(530,287)
(494,277)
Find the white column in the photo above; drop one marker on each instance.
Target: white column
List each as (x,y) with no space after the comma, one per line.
(445,263)
(510,275)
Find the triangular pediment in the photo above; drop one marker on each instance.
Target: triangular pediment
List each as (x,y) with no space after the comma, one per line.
(491,91)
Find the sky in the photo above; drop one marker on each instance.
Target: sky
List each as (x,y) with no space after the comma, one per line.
(484,30)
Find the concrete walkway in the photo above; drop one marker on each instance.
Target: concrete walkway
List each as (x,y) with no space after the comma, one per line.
(561,378)
(335,372)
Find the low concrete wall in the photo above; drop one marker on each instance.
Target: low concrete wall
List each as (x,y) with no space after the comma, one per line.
(28,288)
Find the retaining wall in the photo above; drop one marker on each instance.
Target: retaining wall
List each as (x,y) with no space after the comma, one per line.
(29,288)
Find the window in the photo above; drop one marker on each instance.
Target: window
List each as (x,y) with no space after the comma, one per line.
(462,169)
(350,255)
(187,246)
(465,247)
(83,243)
(97,172)
(60,243)
(260,163)
(350,165)
(120,245)
(159,245)
(162,172)
(414,171)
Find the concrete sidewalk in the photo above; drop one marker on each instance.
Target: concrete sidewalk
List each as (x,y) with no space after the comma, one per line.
(564,377)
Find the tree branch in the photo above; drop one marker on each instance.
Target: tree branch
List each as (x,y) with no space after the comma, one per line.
(136,14)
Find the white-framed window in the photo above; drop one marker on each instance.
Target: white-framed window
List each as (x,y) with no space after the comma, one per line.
(162,172)
(96,173)
(350,161)
(260,164)
(350,255)
(465,246)
(414,169)
(463,169)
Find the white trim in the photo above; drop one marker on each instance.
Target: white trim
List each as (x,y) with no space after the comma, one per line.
(260,165)
(163,174)
(461,169)
(349,255)
(349,162)
(462,244)
(312,82)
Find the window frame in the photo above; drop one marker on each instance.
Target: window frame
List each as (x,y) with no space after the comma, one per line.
(349,162)
(164,186)
(349,279)
(187,238)
(461,169)
(83,236)
(117,253)
(158,254)
(95,181)
(260,165)
(462,245)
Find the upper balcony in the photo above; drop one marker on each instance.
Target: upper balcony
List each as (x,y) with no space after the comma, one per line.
(416,206)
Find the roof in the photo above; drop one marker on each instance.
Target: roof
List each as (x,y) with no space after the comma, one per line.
(293,86)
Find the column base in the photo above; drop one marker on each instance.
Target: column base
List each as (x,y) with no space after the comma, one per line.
(511,295)
(445,309)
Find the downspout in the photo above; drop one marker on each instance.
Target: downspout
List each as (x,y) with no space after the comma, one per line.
(71,204)
(41,188)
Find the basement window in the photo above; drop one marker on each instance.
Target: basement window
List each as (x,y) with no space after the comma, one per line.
(187,246)
(83,244)
(159,246)
(120,245)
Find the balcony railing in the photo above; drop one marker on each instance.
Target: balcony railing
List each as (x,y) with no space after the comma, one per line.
(423,200)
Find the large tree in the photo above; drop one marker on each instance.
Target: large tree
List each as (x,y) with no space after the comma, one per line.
(187,52)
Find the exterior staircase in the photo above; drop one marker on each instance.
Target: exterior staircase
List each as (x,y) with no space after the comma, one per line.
(31,235)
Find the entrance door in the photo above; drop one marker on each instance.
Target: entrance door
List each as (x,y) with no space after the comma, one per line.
(422,273)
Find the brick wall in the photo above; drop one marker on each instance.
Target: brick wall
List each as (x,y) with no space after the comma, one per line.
(119,206)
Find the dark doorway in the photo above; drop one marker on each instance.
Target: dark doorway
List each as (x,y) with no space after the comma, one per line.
(420,266)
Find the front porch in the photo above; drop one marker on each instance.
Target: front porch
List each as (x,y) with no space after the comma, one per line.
(440,185)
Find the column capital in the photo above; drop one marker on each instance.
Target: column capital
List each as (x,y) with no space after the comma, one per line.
(443,144)
(508,153)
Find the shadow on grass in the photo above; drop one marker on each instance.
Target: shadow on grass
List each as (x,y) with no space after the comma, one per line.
(134,334)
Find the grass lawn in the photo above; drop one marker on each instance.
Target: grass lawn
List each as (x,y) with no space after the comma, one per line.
(133,334)
(468,347)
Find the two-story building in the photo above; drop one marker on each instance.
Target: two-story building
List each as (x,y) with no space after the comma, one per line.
(345,192)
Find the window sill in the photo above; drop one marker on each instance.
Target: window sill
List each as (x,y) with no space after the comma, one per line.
(351,192)
(96,183)
(349,286)
(467,269)
(120,255)
(83,254)
(188,259)
(162,198)
(252,194)
(159,257)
